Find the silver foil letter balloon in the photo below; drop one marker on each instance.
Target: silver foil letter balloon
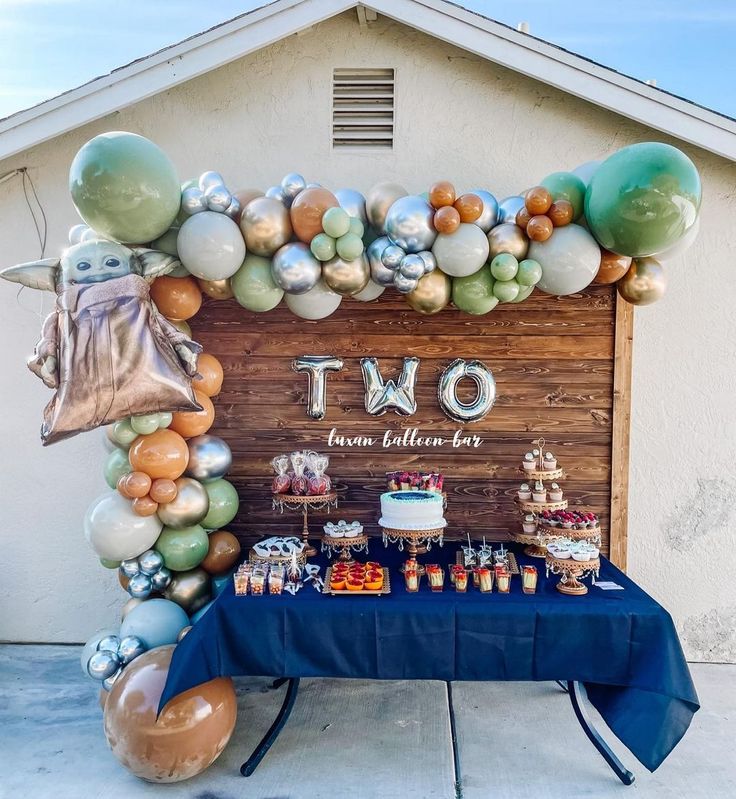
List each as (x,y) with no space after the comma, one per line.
(380,396)
(447,390)
(316,368)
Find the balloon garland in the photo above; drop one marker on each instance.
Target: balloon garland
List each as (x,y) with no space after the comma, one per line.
(161,524)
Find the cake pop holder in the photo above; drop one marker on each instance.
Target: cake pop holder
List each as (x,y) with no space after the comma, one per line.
(305,503)
(343,547)
(417,542)
(572,572)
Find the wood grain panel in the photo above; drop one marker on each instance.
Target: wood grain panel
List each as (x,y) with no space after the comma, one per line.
(553,360)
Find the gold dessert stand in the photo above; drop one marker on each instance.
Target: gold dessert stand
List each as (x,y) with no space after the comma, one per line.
(417,542)
(305,503)
(331,544)
(572,572)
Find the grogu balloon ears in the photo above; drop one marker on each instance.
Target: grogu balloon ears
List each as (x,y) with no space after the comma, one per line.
(154,263)
(35,274)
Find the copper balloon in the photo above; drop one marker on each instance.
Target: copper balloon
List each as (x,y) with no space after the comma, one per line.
(163,490)
(216,289)
(176,297)
(432,293)
(469,206)
(137,484)
(194,423)
(223,553)
(265,225)
(442,194)
(613,267)
(211,375)
(446,219)
(522,218)
(191,590)
(187,737)
(561,213)
(123,579)
(539,228)
(144,506)
(346,277)
(307,210)
(508,238)
(160,454)
(121,486)
(537,200)
(644,283)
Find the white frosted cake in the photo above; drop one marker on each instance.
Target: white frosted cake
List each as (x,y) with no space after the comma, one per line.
(412,510)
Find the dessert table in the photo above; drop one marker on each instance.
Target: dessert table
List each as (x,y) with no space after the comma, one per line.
(618,646)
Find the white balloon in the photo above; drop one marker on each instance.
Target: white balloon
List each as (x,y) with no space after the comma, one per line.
(317,303)
(371,292)
(115,531)
(679,248)
(211,246)
(463,252)
(569,259)
(586,171)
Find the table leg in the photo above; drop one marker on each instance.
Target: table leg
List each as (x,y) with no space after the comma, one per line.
(270,737)
(577,697)
(453,736)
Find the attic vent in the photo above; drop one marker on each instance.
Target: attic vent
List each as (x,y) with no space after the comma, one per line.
(363,108)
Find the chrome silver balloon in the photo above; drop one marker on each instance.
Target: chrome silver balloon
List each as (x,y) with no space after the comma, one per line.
(410,224)
(379,273)
(292,184)
(316,368)
(150,562)
(430,262)
(483,378)
(103,665)
(108,683)
(412,266)
(313,186)
(381,396)
(109,643)
(140,586)
(207,179)
(183,632)
(161,579)
(405,285)
(277,193)
(193,201)
(508,208)
(379,199)
(210,458)
(489,215)
(295,269)
(217,198)
(191,590)
(190,506)
(353,202)
(392,257)
(235,209)
(130,567)
(130,647)
(265,225)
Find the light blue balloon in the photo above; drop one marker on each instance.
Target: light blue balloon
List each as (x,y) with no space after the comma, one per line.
(198,615)
(220,583)
(156,622)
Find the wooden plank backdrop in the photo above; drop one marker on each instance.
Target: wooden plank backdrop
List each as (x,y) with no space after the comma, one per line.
(553,360)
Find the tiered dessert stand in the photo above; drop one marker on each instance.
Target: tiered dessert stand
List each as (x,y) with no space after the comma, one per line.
(572,572)
(345,546)
(417,541)
(305,503)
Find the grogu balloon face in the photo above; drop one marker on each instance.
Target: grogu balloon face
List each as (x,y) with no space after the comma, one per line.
(96,261)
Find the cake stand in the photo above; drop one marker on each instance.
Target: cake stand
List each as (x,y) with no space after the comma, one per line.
(417,541)
(590,534)
(304,503)
(332,544)
(572,572)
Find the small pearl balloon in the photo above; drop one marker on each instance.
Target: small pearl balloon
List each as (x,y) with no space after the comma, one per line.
(108,683)
(193,201)
(103,664)
(109,643)
(235,209)
(508,208)
(218,198)
(129,648)
(140,586)
(412,266)
(292,184)
(130,567)
(161,579)
(379,273)
(277,193)
(150,562)
(430,262)
(392,256)
(404,285)
(207,179)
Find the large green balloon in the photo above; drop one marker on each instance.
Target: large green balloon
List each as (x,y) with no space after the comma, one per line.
(567,186)
(182,549)
(116,465)
(642,199)
(223,504)
(125,187)
(253,285)
(474,293)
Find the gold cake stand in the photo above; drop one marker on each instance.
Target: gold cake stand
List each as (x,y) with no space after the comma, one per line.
(305,503)
(344,545)
(572,572)
(417,541)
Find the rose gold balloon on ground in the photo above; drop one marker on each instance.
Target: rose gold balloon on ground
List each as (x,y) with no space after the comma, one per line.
(613,267)
(188,736)
(644,283)
(432,293)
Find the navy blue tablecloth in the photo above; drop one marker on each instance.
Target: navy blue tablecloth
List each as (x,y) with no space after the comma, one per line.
(621,644)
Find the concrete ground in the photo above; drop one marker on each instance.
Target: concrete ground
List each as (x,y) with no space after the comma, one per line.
(365,740)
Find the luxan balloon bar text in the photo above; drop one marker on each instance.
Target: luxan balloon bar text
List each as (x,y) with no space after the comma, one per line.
(411,437)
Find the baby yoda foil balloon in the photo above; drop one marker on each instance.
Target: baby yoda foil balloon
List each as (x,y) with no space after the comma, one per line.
(104,348)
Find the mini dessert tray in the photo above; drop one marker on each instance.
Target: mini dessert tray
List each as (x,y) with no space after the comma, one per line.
(278,550)
(331,578)
(511,561)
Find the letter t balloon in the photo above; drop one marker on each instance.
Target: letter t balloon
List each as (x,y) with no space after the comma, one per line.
(316,367)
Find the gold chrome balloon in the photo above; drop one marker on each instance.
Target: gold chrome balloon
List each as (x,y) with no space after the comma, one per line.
(265,225)
(644,283)
(190,590)
(346,277)
(189,507)
(217,289)
(508,238)
(432,293)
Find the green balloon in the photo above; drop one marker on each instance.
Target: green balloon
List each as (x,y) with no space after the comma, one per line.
(145,424)
(223,504)
(323,247)
(123,434)
(182,549)
(530,272)
(167,244)
(349,247)
(506,290)
(567,186)
(356,226)
(524,292)
(254,287)
(643,199)
(504,266)
(109,564)
(335,222)
(125,187)
(474,293)
(116,465)
(165,419)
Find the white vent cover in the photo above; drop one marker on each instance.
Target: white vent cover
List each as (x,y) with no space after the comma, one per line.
(362,108)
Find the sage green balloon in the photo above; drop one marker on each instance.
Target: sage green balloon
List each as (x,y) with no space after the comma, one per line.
(116,465)
(182,549)
(145,423)
(109,564)
(335,222)
(323,246)
(506,290)
(349,247)
(567,186)
(524,292)
(504,266)
(530,272)
(123,434)
(474,293)
(223,504)
(167,244)
(357,228)
(643,199)
(125,187)
(253,285)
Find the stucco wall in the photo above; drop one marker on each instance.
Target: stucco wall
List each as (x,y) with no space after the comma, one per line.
(457,117)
